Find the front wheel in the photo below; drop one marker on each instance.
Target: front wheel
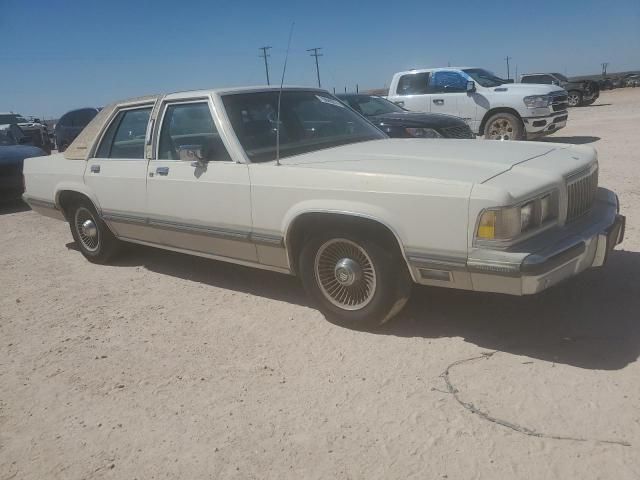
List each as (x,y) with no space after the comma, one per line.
(504,126)
(574,99)
(93,237)
(356,282)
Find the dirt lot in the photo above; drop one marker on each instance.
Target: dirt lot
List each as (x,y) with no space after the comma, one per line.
(168,366)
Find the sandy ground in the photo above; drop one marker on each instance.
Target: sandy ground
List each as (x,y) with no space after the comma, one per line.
(168,366)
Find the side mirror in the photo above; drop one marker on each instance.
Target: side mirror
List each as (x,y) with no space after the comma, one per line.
(555,82)
(471,86)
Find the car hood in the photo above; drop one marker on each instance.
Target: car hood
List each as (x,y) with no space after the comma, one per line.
(16,153)
(448,160)
(417,120)
(527,88)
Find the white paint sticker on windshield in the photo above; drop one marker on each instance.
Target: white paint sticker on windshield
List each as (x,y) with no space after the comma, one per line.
(330,101)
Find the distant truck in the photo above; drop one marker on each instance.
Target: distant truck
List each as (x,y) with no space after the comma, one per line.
(583,92)
(32,128)
(491,106)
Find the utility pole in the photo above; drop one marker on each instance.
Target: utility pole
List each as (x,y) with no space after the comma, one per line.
(266,63)
(316,54)
(507,59)
(604,68)
(516,76)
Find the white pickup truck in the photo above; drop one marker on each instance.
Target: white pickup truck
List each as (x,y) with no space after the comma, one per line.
(357,215)
(492,107)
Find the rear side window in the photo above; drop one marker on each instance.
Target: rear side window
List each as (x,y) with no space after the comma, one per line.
(82,117)
(447,82)
(413,84)
(188,129)
(126,135)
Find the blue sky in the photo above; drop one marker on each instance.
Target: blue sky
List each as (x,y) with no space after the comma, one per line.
(59,55)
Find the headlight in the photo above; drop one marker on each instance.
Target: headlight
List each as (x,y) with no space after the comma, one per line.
(423,132)
(537,101)
(507,223)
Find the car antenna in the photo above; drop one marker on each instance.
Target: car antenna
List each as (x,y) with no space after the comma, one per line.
(284,69)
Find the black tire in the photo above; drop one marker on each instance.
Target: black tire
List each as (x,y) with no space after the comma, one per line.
(589,102)
(574,99)
(504,126)
(387,298)
(98,248)
(63,147)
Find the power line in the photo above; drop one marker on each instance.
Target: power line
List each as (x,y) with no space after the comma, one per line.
(316,54)
(266,62)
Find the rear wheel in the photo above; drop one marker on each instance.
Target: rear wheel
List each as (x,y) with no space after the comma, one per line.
(356,282)
(504,126)
(93,237)
(574,99)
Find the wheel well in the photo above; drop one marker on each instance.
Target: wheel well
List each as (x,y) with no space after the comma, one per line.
(493,112)
(67,198)
(307,224)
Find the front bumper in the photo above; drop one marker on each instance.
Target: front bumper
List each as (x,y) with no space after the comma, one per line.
(552,256)
(546,124)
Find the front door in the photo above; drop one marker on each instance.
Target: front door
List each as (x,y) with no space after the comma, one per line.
(198,198)
(449,95)
(118,173)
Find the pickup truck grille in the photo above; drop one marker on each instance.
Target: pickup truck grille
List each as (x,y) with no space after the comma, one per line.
(581,194)
(462,131)
(559,102)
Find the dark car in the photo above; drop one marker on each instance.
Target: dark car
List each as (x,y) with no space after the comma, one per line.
(397,122)
(13,151)
(580,92)
(71,124)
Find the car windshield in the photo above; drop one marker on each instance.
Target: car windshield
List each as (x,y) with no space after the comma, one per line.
(6,118)
(484,77)
(370,106)
(309,121)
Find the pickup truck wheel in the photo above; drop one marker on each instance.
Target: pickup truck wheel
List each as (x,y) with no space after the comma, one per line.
(356,283)
(574,99)
(504,126)
(93,237)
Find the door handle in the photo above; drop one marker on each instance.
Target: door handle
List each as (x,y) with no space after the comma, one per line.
(438,101)
(95,168)
(162,171)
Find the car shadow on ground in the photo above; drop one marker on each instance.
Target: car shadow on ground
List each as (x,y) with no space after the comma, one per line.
(12,206)
(576,140)
(591,321)
(595,105)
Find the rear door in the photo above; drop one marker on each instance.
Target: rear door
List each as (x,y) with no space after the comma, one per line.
(118,172)
(412,92)
(201,206)
(448,89)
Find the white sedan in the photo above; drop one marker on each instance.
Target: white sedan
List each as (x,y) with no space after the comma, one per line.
(321,193)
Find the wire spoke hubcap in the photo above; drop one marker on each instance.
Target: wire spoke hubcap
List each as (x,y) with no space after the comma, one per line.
(87,229)
(345,274)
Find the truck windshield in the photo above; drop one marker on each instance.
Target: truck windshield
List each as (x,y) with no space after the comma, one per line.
(484,77)
(7,118)
(309,121)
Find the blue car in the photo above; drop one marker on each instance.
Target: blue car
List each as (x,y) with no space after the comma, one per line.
(14,149)
(71,124)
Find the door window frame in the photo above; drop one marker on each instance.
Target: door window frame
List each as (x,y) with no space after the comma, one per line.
(114,116)
(157,130)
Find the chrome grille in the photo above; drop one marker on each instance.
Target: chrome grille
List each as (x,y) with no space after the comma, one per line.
(559,102)
(581,194)
(462,131)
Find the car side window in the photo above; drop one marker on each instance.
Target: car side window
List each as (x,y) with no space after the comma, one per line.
(126,134)
(413,84)
(447,82)
(83,117)
(189,128)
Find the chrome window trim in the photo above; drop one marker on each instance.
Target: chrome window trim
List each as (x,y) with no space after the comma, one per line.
(157,130)
(114,114)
